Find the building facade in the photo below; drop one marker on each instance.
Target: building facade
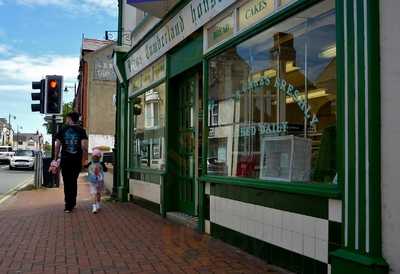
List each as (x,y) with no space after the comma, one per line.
(6,133)
(29,141)
(96,91)
(262,119)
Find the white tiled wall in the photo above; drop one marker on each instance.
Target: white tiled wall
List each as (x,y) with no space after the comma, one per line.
(295,232)
(148,191)
(335,210)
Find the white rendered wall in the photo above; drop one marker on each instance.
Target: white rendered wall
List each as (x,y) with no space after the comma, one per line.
(131,16)
(390,132)
(96,140)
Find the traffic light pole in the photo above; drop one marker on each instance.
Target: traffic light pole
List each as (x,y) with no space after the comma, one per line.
(55,178)
(53,137)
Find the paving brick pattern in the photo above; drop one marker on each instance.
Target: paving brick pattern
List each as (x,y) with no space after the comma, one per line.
(36,236)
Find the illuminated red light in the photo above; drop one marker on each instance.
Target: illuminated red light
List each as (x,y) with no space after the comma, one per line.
(53,84)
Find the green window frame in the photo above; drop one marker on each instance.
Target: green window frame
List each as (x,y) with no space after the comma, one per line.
(132,97)
(319,189)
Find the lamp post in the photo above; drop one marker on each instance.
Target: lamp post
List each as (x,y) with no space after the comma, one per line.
(66,88)
(2,134)
(9,126)
(18,128)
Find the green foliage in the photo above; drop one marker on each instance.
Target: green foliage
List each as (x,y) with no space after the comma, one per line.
(67,108)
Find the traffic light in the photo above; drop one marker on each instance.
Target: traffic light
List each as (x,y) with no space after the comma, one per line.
(38,96)
(53,94)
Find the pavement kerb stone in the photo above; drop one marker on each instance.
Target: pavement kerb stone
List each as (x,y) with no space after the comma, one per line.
(15,190)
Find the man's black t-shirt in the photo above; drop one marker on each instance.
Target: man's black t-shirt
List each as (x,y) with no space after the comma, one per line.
(70,138)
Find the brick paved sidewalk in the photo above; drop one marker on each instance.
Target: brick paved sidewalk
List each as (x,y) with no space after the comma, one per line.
(36,236)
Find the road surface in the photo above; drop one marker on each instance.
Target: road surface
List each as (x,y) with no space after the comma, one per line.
(12,178)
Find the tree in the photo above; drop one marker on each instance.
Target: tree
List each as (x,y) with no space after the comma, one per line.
(67,108)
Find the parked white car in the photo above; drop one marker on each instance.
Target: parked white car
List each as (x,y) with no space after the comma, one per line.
(5,153)
(23,159)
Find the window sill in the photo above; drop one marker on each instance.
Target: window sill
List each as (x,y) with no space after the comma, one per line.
(321,190)
(147,171)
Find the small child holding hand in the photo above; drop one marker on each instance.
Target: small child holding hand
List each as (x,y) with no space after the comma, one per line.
(96,169)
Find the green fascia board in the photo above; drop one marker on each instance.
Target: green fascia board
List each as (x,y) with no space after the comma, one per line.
(348,262)
(186,56)
(328,191)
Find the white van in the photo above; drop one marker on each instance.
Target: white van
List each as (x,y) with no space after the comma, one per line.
(6,152)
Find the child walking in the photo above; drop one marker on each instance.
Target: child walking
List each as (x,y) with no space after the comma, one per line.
(96,169)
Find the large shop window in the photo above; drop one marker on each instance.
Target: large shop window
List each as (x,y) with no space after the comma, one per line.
(148,133)
(272,102)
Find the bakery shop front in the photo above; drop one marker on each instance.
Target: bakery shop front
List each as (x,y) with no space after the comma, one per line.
(251,118)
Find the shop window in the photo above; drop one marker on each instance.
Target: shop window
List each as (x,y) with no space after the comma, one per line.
(213,114)
(148,130)
(150,76)
(276,95)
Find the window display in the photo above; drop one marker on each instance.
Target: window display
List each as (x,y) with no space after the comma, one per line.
(148,130)
(272,100)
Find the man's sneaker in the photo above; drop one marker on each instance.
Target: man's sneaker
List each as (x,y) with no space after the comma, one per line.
(94,209)
(67,211)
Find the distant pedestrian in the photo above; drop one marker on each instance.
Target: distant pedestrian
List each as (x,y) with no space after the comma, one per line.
(73,141)
(96,169)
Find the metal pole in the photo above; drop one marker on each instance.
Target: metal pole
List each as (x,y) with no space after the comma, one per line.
(9,126)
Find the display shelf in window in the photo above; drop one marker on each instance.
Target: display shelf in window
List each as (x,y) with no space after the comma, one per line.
(285,158)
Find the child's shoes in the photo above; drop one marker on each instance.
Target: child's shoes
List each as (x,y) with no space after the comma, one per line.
(94,208)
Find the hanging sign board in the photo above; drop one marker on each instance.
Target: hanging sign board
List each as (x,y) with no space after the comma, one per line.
(189,19)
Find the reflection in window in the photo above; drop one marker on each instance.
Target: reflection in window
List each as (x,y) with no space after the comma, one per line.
(148,112)
(276,95)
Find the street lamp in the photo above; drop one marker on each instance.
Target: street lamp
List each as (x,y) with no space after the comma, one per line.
(66,88)
(9,126)
(18,128)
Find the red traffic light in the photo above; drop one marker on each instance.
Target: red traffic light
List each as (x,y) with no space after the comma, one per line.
(53,84)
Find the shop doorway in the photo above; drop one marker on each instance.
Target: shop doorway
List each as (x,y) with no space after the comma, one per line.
(186,139)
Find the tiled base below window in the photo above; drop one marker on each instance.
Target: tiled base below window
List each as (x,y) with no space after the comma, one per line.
(270,253)
(302,234)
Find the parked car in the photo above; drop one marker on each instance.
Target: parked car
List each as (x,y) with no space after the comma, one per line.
(5,154)
(23,159)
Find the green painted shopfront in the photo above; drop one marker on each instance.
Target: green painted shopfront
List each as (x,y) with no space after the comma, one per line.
(259,121)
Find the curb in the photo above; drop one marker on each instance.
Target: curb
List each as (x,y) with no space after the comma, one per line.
(16,189)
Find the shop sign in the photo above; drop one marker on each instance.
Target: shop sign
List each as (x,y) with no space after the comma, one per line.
(283,86)
(254,11)
(189,19)
(103,70)
(267,129)
(220,31)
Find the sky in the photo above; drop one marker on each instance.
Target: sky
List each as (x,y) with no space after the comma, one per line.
(43,37)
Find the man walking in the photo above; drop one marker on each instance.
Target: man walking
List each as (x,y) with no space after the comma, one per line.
(73,141)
